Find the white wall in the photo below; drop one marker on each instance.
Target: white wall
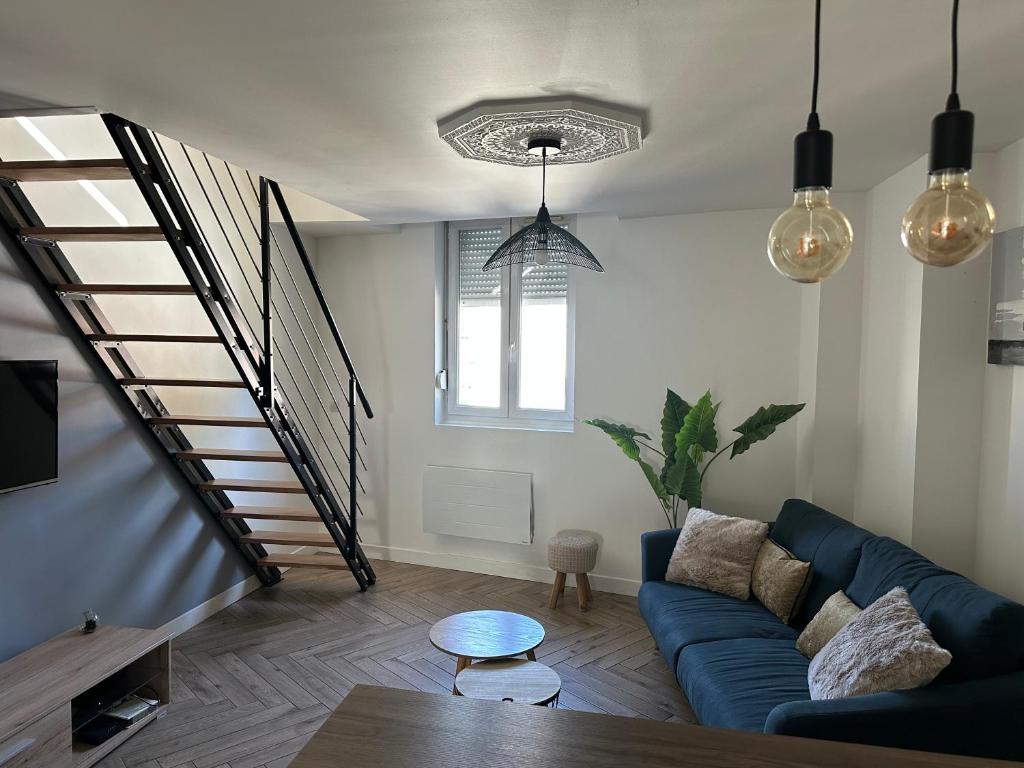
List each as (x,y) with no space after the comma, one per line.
(830,358)
(922,384)
(1000,520)
(688,302)
(889,370)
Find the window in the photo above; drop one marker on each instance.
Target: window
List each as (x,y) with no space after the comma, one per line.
(508,335)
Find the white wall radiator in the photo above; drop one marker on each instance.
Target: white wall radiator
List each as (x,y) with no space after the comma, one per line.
(478,504)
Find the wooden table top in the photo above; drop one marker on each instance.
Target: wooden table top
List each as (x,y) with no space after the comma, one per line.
(389,728)
(486,634)
(517,680)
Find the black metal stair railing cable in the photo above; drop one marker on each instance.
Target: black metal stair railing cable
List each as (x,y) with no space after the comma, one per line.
(297,319)
(238,262)
(298,418)
(252,260)
(314,283)
(231,247)
(312,323)
(185,198)
(360,567)
(345,423)
(352,552)
(282,322)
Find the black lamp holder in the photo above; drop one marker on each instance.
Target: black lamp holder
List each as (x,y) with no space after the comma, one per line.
(953,129)
(812,148)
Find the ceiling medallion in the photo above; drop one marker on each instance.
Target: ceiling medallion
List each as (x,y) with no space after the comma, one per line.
(501,132)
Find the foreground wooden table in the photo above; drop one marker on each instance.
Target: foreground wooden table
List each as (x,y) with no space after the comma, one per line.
(388,728)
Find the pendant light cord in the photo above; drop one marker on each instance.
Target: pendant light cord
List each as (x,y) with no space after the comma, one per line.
(813,123)
(543,173)
(953,102)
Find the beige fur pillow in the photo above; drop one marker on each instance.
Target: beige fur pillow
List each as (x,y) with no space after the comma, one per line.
(779,579)
(833,615)
(716,552)
(886,647)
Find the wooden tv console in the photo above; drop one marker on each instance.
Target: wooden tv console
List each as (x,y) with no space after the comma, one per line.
(50,691)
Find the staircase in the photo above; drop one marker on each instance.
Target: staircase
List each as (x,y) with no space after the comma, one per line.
(254,282)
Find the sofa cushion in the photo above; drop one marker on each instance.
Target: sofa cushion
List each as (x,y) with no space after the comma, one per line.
(679,616)
(835,614)
(884,564)
(886,647)
(830,544)
(984,631)
(779,580)
(737,683)
(717,552)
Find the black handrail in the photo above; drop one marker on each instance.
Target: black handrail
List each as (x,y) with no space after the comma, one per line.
(267,395)
(315,282)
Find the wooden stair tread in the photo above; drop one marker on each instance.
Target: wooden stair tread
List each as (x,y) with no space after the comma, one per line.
(139,289)
(291,514)
(65,170)
(154,337)
(210,421)
(295,538)
(154,381)
(303,561)
(93,234)
(229,454)
(259,486)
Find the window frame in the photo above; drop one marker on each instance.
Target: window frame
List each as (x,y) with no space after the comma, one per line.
(508,415)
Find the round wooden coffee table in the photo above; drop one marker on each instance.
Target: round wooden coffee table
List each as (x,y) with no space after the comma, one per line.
(512,680)
(486,635)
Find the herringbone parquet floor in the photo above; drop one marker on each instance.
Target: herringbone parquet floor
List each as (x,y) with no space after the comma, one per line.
(252,684)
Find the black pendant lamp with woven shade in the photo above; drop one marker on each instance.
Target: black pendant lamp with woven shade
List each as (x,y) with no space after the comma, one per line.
(543,242)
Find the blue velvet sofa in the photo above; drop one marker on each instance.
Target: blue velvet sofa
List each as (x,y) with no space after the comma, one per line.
(739,667)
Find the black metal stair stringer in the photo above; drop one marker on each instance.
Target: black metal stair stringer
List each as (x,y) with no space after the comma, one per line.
(158,187)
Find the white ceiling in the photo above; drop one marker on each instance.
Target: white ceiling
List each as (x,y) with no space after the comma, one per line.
(340,98)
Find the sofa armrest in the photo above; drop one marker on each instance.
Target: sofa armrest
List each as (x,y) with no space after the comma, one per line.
(655,550)
(979,717)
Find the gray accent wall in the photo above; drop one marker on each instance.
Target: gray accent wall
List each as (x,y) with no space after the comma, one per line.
(121,531)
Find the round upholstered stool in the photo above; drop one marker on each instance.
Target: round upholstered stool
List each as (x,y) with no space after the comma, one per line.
(572,552)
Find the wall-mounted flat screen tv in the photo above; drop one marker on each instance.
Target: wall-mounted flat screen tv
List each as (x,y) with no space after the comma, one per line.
(28,423)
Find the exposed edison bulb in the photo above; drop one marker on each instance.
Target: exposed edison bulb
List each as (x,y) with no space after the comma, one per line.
(810,240)
(949,223)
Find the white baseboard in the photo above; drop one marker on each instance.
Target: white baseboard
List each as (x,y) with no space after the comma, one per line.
(203,611)
(233,594)
(217,603)
(472,564)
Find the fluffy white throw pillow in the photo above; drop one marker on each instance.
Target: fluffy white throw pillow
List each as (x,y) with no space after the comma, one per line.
(716,552)
(886,647)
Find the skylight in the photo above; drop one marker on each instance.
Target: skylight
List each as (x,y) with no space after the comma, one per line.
(54,152)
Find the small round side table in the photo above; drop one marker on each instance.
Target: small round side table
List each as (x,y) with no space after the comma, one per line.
(486,635)
(513,680)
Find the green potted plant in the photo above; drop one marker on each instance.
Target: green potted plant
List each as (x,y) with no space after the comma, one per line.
(689,446)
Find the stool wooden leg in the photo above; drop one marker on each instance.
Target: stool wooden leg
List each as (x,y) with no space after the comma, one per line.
(531,654)
(556,589)
(583,593)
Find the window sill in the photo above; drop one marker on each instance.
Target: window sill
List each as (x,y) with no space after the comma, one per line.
(529,425)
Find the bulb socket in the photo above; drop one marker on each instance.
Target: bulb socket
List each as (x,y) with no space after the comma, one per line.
(952,141)
(812,159)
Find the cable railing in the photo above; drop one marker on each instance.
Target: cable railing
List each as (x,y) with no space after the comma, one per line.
(271,280)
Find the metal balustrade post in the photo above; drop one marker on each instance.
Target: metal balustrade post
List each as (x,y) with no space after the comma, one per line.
(352,464)
(267,373)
